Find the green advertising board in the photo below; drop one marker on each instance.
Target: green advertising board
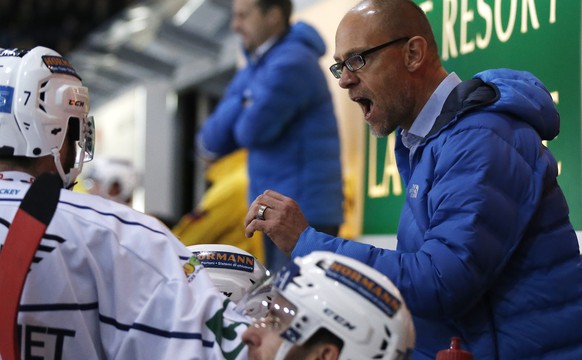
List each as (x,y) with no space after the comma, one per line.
(540,36)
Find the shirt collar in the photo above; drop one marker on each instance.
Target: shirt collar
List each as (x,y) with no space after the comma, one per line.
(16,176)
(263,48)
(427,116)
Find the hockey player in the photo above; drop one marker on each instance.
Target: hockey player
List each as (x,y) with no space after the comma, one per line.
(107,282)
(328,306)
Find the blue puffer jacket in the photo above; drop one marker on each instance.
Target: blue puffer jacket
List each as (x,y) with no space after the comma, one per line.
(280,108)
(486,250)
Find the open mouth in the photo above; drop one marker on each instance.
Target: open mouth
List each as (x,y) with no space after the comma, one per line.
(366,105)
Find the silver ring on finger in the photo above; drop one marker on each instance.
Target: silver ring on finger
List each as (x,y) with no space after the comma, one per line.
(261,212)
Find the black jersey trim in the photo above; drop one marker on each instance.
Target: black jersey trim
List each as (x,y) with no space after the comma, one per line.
(135,223)
(58,307)
(156,331)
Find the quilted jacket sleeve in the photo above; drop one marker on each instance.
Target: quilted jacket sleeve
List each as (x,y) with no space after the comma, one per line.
(478,190)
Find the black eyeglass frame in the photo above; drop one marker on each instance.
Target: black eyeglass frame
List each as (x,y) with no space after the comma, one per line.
(337,68)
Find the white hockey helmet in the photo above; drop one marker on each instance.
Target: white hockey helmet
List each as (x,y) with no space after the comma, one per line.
(106,172)
(233,270)
(350,299)
(41,100)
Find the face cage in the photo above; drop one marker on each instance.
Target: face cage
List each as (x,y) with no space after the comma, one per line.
(84,151)
(259,304)
(256,302)
(270,310)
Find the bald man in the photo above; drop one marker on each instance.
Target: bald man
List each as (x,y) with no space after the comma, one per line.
(486,250)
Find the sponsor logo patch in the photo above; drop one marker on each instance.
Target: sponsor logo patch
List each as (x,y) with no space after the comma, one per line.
(368,288)
(59,65)
(191,268)
(225,260)
(6,95)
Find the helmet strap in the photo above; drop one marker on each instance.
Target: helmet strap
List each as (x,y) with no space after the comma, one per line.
(68,178)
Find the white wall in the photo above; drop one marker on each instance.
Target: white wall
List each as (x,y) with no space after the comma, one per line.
(160,147)
(139,126)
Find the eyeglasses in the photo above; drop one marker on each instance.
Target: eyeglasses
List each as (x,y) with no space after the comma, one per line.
(357,61)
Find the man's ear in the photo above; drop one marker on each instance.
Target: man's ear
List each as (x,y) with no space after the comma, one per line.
(274,16)
(416,53)
(327,351)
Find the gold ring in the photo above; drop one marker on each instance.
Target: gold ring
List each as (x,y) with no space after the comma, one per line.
(261,212)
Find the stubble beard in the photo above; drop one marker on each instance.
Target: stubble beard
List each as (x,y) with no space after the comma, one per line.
(397,115)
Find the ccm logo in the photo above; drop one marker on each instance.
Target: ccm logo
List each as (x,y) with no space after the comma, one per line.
(77,103)
(339,319)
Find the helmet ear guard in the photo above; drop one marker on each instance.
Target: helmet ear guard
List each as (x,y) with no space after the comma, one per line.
(40,96)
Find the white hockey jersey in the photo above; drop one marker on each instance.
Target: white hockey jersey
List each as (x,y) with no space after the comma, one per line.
(108,282)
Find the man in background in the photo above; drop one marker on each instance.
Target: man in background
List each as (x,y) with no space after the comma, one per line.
(279,107)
